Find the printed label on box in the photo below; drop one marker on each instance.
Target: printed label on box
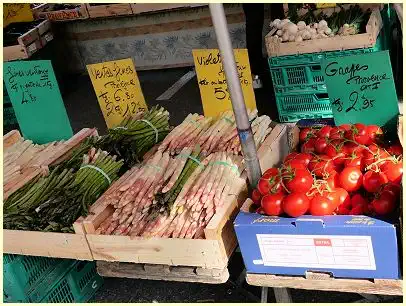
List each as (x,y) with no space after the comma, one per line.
(317,251)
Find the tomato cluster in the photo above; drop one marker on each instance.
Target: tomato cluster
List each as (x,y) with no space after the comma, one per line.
(344,170)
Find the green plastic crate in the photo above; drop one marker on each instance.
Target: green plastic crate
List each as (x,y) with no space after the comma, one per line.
(293,107)
(28,278)
(302,72)
(77,286)
(298,78)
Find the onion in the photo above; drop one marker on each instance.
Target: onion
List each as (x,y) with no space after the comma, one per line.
(327,31)
(301,25)
(323,24)
(298,38)
(291,28)
(275,22)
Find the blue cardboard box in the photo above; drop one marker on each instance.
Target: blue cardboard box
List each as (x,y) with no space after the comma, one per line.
(344,246)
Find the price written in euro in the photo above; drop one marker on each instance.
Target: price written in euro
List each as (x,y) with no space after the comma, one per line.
(212,80)
(117,89)
(361,88)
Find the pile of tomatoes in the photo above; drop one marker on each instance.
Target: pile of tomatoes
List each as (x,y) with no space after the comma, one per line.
(344,170)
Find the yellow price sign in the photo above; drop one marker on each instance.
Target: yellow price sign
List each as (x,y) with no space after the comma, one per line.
(117,89)
(325,5)
(16,12)
(212,81)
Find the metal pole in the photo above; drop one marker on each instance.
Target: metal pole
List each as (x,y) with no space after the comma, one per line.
(234,87)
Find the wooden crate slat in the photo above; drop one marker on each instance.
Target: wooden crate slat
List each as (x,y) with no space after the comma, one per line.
(59,245)
(377,286)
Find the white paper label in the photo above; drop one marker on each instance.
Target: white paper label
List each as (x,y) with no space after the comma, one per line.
(32,47)
(317,251)
(49,37)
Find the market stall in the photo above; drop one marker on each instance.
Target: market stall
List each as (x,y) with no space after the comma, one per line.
(312,204)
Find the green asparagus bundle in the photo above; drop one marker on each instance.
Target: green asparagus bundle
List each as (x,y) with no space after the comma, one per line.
(131,140)
(165,201)
(53,203)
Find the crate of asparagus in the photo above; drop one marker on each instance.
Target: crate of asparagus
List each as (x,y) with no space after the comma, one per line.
(176,208)
(31,177)
(43,216)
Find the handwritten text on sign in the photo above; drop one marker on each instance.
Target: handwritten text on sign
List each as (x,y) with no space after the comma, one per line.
(36,100)
(212,80)
(118,90)
(16,12)
(361,88)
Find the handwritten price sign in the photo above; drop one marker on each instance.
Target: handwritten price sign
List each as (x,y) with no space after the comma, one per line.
(361,88)
(118,90)
(16,12)
(36,100)
(212,81)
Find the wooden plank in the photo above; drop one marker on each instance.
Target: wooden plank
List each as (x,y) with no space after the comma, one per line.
(326,283)
(366,40)
(138,8)
(162,272)
(15,52)
(166,251)
(108,10)
(11,138)
(274,147)
(59,245)
(140,30)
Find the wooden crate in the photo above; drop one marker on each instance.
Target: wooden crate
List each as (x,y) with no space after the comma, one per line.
(210,253)
(79,12)
(324,282)
(366,40)
(162,272)
(29,42)
(108,10)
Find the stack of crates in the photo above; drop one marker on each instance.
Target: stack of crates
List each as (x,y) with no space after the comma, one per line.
(29,279)
(299,86)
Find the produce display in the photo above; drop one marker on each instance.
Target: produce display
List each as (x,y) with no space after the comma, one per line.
(172,196)
(214,134)
(54,202)
(349,21)
(131,140)
(344,170)
(184,181)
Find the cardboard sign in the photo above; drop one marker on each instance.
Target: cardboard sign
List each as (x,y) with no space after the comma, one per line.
(117,89)
(361,88)
(212,80)
(37,101)
(16,12)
